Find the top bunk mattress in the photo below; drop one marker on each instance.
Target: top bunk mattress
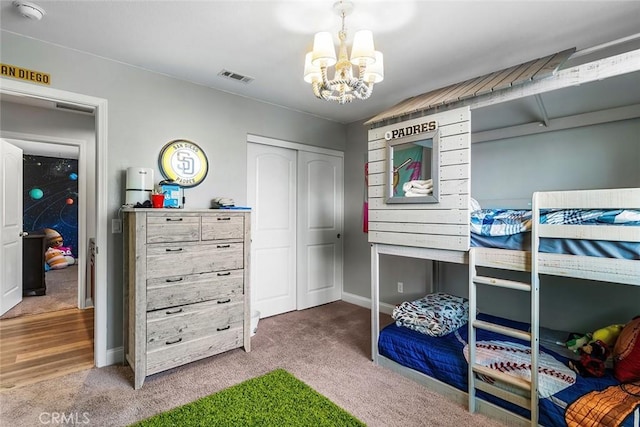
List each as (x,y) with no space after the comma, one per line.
(510,229)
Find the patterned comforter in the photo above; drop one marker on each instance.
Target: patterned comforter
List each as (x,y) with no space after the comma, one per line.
(506,222)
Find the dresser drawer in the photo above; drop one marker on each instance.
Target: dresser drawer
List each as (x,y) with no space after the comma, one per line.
(192,258)
(184,352)
(170,227)
(175,325)
(219,227)
(180,290)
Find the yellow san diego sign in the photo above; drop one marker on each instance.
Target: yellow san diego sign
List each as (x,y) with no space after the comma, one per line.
(183,162)
(12,71)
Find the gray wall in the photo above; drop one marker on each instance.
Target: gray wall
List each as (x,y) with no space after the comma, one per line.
(602,156)
(590,157)
(145,111)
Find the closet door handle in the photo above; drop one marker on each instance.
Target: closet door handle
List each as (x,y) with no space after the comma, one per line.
(228,273)
(174,219)
(224,301)
(223,329)
(223,246)
(180,279)
(173,342)
(174,311)
(338,235)
(174,250)
(224,219)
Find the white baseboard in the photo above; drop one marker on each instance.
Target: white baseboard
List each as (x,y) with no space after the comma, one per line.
(366,302)
(115,356)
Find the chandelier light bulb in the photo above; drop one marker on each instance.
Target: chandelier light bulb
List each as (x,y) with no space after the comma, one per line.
(323,51)
(362,50)
(375,71)
(311,72)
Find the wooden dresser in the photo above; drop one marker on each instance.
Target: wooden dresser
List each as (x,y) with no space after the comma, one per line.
(187,286)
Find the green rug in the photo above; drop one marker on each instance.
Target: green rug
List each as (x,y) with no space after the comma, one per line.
(275,399)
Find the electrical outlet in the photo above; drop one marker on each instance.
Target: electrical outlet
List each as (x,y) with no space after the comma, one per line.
(400,287)
(116,226)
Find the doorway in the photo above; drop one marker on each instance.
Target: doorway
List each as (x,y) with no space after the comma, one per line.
(99,188)
(296,195)
(53,191)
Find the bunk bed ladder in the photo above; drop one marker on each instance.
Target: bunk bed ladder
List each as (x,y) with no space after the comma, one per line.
(528,399)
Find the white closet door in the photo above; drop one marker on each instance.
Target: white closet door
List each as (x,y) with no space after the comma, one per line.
(320,218)
(271,192)
(11,226)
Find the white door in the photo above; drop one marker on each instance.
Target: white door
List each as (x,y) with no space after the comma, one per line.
(11,227)
(320,218)
(271,193)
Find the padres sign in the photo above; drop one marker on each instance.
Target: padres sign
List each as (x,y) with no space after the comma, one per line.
(183,162)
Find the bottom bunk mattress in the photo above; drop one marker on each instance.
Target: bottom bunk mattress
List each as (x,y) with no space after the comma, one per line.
(443,358)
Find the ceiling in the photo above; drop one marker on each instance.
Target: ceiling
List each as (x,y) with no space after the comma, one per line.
(426,44)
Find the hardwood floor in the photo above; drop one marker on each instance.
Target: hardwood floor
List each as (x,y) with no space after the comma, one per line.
(44,346)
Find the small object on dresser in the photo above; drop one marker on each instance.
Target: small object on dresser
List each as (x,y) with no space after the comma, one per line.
(220,202)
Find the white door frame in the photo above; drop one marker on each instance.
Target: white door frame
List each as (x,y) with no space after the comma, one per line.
(16,138)
(12,87)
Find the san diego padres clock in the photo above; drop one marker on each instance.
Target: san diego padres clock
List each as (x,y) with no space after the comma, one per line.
(184,162)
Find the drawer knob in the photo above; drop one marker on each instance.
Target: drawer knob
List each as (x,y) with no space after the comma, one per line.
(180,279)
(224,301)
(174,250)
(223,329)
(179,310)
(224,219)
(173,341)
(223,246)
(228,273)
(174,219)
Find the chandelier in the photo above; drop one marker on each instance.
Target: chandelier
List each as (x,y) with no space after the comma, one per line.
(344,87)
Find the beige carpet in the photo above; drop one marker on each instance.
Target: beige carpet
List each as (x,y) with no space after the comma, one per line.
(62,293)
(327,347)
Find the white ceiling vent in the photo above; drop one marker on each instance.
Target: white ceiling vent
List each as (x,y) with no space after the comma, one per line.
(235,76)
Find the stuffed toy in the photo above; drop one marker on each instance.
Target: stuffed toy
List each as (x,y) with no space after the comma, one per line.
(57,256)
(55,259)
(68,255)
(608,334)
(577,341)
(592,359)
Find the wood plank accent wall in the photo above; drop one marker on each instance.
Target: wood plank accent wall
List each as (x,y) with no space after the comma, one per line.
(442,225)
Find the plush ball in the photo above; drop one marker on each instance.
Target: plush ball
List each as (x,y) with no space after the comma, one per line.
(626,353)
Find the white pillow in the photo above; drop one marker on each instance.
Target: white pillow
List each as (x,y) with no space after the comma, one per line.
(475,206)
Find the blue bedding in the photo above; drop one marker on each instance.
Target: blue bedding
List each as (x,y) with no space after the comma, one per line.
(442,358)
(510,229)
(504,222)
(594,248)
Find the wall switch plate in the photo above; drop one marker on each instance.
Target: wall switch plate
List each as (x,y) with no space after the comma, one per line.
(400,287)
(116,226)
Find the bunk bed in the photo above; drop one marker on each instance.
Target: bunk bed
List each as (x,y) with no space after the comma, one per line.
(440,362)
(439,230)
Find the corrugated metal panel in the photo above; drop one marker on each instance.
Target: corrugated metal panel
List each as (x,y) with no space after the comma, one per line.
(509,77)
